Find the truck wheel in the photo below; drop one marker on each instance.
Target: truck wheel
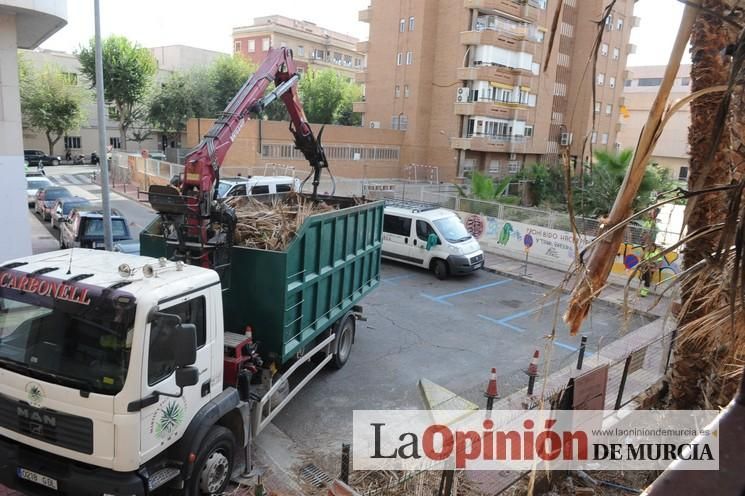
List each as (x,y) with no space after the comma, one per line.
(343,342)
(440,269)
(214,465)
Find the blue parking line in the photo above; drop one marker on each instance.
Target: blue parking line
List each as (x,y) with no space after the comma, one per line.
(570,347)
(442,298)
(397,278)
(502,323)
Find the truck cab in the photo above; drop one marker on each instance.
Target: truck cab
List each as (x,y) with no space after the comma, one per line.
(431,237)
(95,388)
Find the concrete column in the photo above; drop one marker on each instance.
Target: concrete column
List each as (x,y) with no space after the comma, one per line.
(15,232)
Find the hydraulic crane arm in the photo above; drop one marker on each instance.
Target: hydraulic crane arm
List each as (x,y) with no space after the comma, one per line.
(191,209)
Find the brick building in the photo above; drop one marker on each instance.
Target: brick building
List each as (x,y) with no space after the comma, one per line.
(313,46)
(465,80)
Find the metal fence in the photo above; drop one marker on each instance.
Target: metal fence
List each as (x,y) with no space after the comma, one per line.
(538,217)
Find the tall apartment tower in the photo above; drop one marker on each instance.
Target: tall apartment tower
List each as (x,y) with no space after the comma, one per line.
(468,83)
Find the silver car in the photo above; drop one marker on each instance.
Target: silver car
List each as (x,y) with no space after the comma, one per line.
(33,185)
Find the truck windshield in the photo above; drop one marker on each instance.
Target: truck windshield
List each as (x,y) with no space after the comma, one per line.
(74,336)
(453,229)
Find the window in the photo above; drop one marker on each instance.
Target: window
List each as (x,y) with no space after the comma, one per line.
(71,78)
(337,58)
(407,93)
(597,107)
(114,142)
(260,190)
(601,79)
(284,188)
(237,47)
(393,224)
(609,23)
(513,167)
(394,122)
(357,62)
(403,122)
(411,23)
(627,83)
(494,166)
(604,139)
(72,142)
(684,81)
(608,108)
(594,138)
(616,54)
(604,49)
(301,50)
(251,46)
(399,58)
(402,25)
(239,190)
(650,81)
(265,42)
(612,82)
(161,362)
(409,58)
(619,24)
(683,174)
(528,133)
(424,229)
(398,91)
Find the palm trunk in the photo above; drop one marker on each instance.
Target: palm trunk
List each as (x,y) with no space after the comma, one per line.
(695,371)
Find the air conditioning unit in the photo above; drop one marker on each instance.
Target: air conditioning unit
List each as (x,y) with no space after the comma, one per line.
(513,156)
(374,124)
(565,139)
(463,95)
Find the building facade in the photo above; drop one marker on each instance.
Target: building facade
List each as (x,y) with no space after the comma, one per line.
(85,139)
(312,46)
(641,87)
(473,86)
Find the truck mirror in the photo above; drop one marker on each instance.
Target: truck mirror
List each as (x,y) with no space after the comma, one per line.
(187,376)
(185,345)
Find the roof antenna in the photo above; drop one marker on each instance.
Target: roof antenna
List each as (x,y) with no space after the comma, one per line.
(69,266)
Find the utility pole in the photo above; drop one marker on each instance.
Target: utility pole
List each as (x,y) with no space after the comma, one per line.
(103,157)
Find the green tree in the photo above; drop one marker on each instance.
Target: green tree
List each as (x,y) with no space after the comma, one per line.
(171,106)
(128,72)
(547,184)
(51,102)
(345,116)
(226,76)
(323,94)
(601,186)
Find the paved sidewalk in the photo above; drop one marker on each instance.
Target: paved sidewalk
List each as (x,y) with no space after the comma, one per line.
(550,278)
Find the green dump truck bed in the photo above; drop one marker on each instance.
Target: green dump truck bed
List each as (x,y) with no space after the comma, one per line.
(290,297)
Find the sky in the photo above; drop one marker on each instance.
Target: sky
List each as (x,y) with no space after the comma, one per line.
(208,23)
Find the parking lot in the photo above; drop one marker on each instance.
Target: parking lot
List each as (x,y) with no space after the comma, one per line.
(451,332)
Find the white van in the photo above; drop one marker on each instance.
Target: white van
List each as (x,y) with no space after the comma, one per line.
(428,236)
(256,185)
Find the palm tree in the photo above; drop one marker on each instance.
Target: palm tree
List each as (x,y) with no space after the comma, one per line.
(695,372)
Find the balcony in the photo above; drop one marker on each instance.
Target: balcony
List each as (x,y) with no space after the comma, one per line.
(495,109)
(497,39)
(359,107)
(515,9)
(365,15)
(482,143)
(360,77)
(363,46)
(496,74)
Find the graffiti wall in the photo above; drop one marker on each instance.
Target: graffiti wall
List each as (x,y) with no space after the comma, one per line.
(551,247)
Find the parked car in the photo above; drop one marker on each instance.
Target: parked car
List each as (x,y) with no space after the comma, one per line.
(46,198)
(156,155)
(130,247)
(36,157)
(256,185)
(430,237)
(84,229)
(33,184)
(64,206)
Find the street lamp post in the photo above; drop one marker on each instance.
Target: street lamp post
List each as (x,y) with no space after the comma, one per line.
(103,160)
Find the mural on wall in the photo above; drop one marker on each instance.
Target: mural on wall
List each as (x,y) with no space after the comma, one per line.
(553,245)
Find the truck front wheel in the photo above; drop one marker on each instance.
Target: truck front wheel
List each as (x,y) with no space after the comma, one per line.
(343,342)
(214,464)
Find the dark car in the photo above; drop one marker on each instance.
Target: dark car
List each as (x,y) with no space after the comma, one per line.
(36,157)
(84,229)
(64,206)
(47,197)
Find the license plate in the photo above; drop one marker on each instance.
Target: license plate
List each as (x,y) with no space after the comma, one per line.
(37,478)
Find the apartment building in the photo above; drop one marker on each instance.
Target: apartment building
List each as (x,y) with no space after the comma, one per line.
(641,87)
(468,82)
(313,46)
